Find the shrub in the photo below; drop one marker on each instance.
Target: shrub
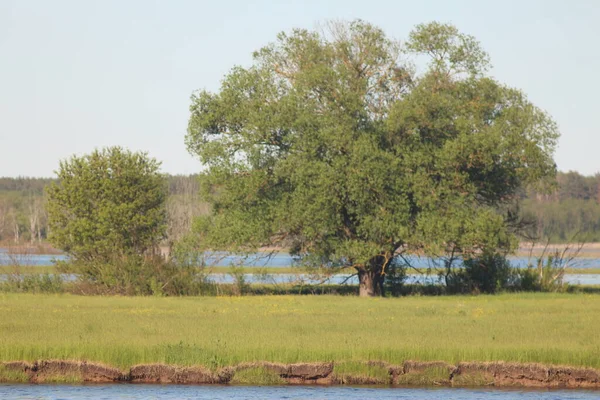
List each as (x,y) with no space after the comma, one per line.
(106,205)
(546,274)
(395,277)
(139,275)
(486,273)
(32,283)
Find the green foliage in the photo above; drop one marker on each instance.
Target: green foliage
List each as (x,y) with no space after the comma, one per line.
(32,283)
(560,220)
(332,146)
(107,212)
(107,204)
(24,185)
(546,274)
(239,280)
(486,273)
(23,216)
(395,276)
(186,252)
(450,50)
(570,207)
(573,185)
(138,275)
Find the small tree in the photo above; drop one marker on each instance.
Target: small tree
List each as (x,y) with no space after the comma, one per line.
(107,205)
(331,145)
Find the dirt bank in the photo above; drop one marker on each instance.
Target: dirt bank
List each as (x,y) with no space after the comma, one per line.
(410,373)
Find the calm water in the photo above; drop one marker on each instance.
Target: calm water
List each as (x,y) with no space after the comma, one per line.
(574,279)
(128,391)
(284,260)
(265,260)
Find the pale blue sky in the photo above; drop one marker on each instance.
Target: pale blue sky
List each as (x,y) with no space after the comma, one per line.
(75,75)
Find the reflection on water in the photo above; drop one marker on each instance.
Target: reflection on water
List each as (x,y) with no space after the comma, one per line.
(128,391)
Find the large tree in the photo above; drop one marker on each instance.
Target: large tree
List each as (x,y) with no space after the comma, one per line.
(332,145)
(107,205)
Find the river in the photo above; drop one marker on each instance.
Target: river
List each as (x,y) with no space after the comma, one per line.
(267,260)
(284,260)
(171,392)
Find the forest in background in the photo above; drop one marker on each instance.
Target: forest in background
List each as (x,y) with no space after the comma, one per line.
(23,217)
(570,211)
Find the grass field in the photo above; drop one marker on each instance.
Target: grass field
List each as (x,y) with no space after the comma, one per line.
(220,331)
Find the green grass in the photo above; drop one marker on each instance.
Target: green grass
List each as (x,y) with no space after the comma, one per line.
(257,376)
(27,269)
(357,369)
(428,377)
(474,379)
(584,271)
(220,331)
(62,378)
(12,376)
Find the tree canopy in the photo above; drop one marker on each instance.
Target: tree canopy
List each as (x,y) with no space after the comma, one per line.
(107,204)
(331,144)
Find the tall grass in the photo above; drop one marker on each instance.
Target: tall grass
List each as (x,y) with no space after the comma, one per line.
(219,331)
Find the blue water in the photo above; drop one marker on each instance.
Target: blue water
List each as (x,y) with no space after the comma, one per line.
(267,260)
(274,279)
(172,392)
(575,279)
(40,260)
(284,260)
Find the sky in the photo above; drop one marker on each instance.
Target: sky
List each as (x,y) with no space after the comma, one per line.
(76,75)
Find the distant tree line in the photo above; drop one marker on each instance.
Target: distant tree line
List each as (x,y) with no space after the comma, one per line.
(24,219)
(571,209)
(570,212)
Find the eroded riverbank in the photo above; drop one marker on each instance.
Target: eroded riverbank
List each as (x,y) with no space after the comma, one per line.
(409,373)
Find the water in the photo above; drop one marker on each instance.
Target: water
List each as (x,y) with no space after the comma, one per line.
(575,279)
(275,279)
(130,392)
(275,260)
(38,260)
(582,279)
(307,279)
(267,260)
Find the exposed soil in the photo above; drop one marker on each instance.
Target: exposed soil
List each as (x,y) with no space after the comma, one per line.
(530,375)
(61,370)
(498,374)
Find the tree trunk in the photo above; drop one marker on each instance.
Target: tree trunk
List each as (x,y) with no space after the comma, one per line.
(371,282)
